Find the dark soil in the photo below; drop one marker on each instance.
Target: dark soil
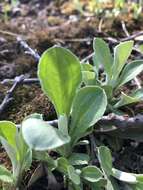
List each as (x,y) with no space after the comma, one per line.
(43,24)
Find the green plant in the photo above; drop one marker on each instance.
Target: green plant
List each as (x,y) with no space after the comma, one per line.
(116,73)
(77,110)
(19,153)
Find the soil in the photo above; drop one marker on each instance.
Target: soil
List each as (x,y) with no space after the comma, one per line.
(43,24)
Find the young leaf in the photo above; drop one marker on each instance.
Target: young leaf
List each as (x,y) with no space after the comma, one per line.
(73,176)
(91,174)
(62,165)
(130,71)
(124,176)
(88,107)
(41,136)
(79,159)
(105,159)
(103,55)
(125,100)
(59,72)
(121,54)
(5,175)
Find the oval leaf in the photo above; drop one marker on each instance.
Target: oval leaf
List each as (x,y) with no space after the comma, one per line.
(103,55)
(59,72)
(79,159)
(73,176)
(91,174)
(41,136)
(121,54)
(130,71)
(105,159)
(88,107)
(124,176)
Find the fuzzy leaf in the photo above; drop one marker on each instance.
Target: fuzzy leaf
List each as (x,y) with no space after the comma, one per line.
(130,71)
(88,107)
(124,176)
(91,174)
(78,159)
(41,136)
(105,159)
(73,176)
(121,54)
(103,55)
(59,72)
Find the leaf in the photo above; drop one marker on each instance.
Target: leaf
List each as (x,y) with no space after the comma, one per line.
(59,72)
(63,124)
(11,153)
(99,185)
(105,159)
(103,55)
(125,100)
(87,67)
(130,71)
(5,175)
(8,131)
(73,176)
(89,78)
(121,54)
(88,107)
(41,136)
(91,174)
(44,157)
(124,176)
(62,165)
(78,159)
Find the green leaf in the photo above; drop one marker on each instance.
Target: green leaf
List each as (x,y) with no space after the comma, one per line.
(63,124)
(91,174)
(78,159)
(73,176)
(125,100)
(88,107)
(62,165)
(130,71)
(41,136)
(8,131)
(99,185)
(89,78)
(11,153)
(121,54)
(105,159)
(59,72)
(44,157)
(87,67)
(103,55)
(6,175)
(124,176)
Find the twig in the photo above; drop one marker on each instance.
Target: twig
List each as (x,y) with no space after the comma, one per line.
(25,81)
(124,28)
(122,123)
(8,98)
(100,25)
(132,37)
(28,49)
